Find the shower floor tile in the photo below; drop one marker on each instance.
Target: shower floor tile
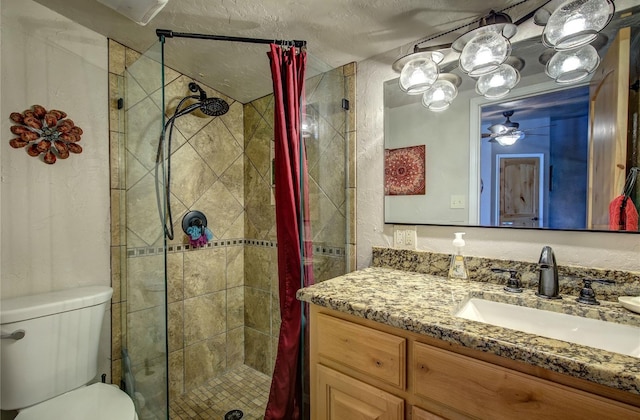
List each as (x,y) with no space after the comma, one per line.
(242,388)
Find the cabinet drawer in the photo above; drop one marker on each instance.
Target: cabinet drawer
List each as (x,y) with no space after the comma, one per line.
(486,391)
(374,353)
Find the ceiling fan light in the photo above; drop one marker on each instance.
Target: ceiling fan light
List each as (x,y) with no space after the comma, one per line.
(418,74)
(509,139)
(484,53)
(572,66)
(439,96)
(576,23)
(498,83)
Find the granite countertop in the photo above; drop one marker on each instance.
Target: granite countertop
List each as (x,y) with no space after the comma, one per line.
(425,304)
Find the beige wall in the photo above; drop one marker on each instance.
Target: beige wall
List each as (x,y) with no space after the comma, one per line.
(601,250)
(54,218)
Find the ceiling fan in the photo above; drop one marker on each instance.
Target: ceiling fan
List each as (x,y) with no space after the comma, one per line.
(506,127)
(506,133)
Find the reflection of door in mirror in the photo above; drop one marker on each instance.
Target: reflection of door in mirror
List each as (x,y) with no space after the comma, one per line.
(519,190)
(608,146)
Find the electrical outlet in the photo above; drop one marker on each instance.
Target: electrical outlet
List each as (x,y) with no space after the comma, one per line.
(398,238)
(457,202)
(404,237)
(410,238)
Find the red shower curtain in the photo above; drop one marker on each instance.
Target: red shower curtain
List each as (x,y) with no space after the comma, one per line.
(292,223)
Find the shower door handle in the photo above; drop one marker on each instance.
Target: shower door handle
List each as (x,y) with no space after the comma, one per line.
(16,335)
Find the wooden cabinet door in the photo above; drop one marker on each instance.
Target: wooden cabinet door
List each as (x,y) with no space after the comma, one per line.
(341,397)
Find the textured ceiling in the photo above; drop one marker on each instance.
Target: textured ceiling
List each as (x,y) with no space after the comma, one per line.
(337,32)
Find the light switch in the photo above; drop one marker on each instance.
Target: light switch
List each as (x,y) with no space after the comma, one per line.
(457,202)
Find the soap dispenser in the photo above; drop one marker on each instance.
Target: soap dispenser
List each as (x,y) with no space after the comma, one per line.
(458,265)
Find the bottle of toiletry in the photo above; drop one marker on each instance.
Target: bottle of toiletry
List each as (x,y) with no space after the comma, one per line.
(458,266)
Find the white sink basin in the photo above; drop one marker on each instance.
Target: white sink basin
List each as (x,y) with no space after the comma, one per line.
(610,336)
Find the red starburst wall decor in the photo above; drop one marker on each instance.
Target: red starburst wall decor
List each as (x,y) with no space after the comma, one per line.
(404,171)
(49,134)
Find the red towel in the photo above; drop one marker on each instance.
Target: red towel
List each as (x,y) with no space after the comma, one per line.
(623,214)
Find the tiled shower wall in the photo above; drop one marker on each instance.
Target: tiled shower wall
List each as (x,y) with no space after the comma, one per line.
(222,299)
(261,316)
(330,206)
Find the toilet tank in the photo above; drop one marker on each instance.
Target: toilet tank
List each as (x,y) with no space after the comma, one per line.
(59,350)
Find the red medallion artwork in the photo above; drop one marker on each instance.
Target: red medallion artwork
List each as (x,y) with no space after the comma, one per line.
(47,133)
(404,171)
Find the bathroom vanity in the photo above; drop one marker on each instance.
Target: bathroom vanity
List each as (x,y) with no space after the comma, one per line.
(387,344)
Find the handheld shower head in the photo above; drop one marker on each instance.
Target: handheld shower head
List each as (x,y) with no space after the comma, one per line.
(214,107)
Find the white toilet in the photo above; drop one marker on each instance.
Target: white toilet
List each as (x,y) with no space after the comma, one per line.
(48,354)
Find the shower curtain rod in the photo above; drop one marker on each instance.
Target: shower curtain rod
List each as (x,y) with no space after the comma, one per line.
(167,33)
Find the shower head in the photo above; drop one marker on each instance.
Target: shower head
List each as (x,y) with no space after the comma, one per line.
(214,107)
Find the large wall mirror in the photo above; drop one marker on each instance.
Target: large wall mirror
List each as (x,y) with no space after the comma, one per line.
(560,175)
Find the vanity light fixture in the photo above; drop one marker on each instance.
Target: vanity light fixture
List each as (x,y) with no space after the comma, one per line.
(309,126)
(418,70)
(500,82)
(572,66)
(576,23)
(484,49)
(484,54)
(440,95)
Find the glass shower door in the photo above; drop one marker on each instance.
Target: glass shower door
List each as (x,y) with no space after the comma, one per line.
(144,347)
(326,134)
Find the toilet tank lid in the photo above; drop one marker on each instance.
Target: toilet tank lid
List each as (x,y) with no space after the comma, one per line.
(43,304)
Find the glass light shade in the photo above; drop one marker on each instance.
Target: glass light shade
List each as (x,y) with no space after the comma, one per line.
(418,75)
(484,53)
(439,96)
(509,139)
(572,66)
(499,83)
(576,23)
(309,126)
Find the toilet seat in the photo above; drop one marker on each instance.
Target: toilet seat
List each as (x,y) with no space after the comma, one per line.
(96,402)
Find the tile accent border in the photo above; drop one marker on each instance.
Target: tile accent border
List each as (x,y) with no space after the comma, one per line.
(176,248)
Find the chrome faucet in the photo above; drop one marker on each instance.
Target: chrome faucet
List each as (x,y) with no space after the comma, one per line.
(548,285)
